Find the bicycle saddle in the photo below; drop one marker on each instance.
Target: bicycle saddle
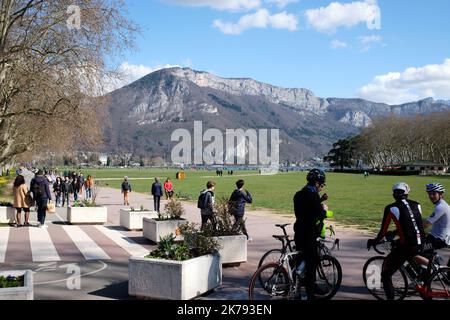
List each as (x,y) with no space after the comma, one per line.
(281,238)
(282,225)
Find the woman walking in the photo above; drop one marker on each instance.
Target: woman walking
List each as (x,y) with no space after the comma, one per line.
(57,189)
(21,200)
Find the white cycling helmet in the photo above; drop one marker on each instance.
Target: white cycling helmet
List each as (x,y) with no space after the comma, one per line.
(435,187)
(401,186)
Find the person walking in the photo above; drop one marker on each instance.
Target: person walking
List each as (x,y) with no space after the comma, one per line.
(168,189)
(57,190)
(41,194)
(237,202)
(205,203)
(88,184)
(126,189)
(66,190)
(21,201)
(76,187)
(157,193)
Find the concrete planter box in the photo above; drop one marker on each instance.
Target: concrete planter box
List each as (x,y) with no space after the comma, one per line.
(18,293)
(154,229)
(132,220)
(174,280)
(233,249)
(87,215)
(7,215)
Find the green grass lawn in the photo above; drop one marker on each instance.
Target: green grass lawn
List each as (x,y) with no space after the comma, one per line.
(354,200)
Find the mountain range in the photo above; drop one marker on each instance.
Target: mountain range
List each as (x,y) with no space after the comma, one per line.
(143,114)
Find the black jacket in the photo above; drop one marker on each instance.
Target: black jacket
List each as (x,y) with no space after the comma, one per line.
(157,189)
(308,212)
(43,184)
(407,215)
(238,200)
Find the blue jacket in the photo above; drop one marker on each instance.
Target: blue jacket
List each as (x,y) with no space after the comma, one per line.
(157,190)
(238,200)
(43,184)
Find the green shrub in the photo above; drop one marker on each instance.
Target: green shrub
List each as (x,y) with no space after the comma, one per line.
(11,282)
(84,203)
(196,243)
(173,210)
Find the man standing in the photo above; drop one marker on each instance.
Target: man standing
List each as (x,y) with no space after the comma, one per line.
(309,210)
(407,215)
(237,202)
(157,193)
(41,194)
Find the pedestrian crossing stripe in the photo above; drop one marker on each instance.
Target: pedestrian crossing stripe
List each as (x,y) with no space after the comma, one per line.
(44,245)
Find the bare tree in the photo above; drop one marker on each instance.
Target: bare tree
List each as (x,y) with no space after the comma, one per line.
(52,62)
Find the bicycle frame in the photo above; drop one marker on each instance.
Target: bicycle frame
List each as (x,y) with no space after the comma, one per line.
(433,268)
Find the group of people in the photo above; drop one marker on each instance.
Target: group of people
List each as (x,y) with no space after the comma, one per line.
(39,194)
(413,243)
(237,201)
(157,191)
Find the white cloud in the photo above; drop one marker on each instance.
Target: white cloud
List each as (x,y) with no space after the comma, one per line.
(410,85)
(129,73)
(260,19)
(368,41)
(335,15)
(336,44)
(281,3)
(232,5)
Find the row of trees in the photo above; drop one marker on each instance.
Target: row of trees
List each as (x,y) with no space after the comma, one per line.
(54,57)
(395,140)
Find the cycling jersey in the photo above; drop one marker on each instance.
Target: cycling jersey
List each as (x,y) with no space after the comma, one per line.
(407,216)
(440,219)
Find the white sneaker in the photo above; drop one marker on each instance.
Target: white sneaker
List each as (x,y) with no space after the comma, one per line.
(44,226)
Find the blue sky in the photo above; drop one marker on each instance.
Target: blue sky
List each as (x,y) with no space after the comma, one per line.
(384,50)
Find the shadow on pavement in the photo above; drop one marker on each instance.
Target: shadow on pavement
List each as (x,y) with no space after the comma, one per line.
(117,290)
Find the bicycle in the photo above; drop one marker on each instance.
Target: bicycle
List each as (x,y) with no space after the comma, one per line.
(279,280)
(430,283)
(274,255)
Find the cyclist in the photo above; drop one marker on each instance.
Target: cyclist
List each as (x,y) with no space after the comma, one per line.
(439,237)
(407,216)
(309,209)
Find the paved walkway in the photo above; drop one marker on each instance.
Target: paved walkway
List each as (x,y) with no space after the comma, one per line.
(100,253)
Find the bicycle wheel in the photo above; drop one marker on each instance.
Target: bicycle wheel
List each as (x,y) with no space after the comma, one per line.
(328,278)
(372,279)
(271,256)
(270,282)
(438,286)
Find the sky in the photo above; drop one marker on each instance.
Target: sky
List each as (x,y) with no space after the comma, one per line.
(391,51)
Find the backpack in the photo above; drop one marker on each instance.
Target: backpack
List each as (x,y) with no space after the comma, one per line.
(37,190)
(201,203)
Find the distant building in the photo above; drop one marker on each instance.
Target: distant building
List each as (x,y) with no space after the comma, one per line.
(103,158)
(422,166)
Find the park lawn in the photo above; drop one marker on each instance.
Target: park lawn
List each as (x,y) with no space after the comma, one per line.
(355,200)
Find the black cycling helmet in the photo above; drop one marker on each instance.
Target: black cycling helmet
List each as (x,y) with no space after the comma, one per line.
(316,175)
